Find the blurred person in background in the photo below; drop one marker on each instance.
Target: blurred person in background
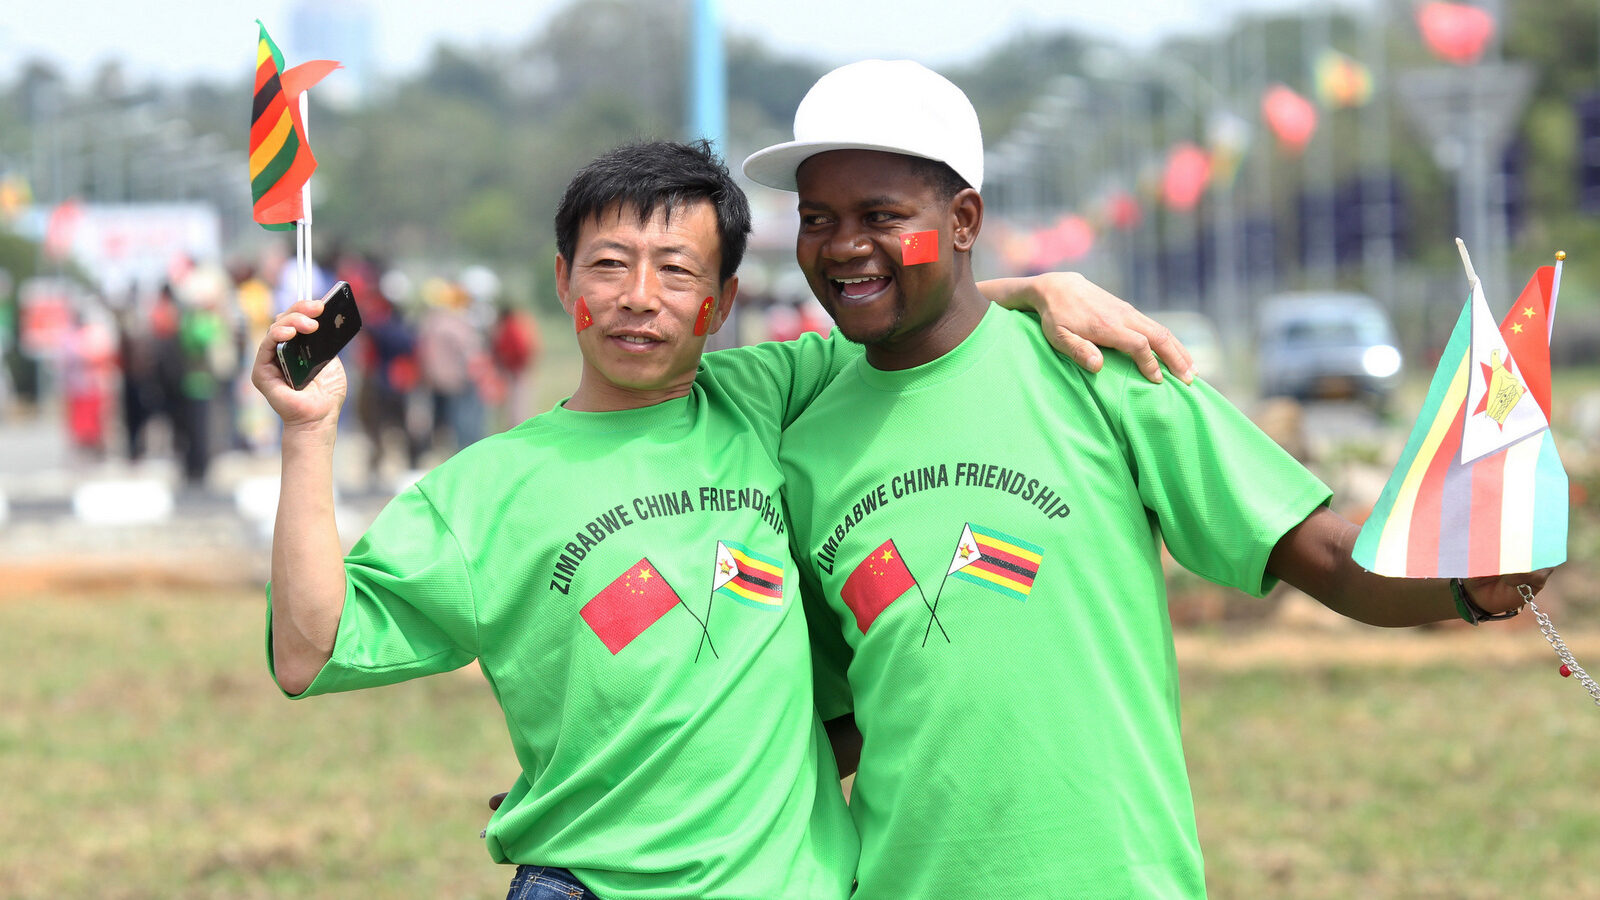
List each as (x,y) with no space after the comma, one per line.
(254,425)
(663,753)
(165,320)
(386,354)
(140,390)
(453,356)
(515,347)
(88,367)
(205,340)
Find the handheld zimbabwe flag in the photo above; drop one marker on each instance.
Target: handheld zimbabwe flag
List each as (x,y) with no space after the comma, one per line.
(997,561)
(637,599)
(876,582)
(280,158)
(1471,496)
(748,577)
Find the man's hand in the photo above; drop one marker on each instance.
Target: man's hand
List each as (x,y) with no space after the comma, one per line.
(1078,315)
(319,403)
(1495,594)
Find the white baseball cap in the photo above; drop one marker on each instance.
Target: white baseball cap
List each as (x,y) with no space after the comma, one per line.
(895,106)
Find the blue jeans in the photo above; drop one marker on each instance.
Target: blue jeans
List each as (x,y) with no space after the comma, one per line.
(547,883)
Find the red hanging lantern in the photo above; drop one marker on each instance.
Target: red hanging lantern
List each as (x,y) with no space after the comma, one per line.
(1291,117)
(1455,32)
(1123,211)
(1188,172)
(1069,240)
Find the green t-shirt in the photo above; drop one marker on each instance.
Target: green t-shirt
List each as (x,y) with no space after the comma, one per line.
(983,537)
(624,581)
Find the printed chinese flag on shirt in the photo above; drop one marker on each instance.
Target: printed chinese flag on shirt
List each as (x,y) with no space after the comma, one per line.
(626,607)
(876,582)
(919,247)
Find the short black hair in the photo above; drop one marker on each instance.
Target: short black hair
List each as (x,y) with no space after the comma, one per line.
(939,176)
(651,174)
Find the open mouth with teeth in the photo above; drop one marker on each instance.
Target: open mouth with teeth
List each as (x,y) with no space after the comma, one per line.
(856,289)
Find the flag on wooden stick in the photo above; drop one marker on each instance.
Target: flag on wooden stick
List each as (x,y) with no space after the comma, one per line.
(1479,488)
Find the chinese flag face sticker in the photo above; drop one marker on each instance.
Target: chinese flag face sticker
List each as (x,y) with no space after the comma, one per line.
(919,247)
(702,323)
(580,315)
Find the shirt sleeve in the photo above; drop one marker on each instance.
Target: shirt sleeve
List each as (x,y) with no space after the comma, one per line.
(408,609)
(785,375)
(1223,492)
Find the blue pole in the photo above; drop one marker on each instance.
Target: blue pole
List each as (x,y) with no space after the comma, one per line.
(708,75)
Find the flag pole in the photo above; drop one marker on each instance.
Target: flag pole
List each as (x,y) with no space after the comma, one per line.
(303,226)
(1472,276)
(1555,289)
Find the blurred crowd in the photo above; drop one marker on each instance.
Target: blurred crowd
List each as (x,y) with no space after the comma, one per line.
(437,365)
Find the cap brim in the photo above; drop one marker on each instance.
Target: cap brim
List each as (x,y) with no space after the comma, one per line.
(776,165)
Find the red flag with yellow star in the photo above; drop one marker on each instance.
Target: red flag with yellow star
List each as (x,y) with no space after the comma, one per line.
(919,247)
(876,582)
(1526,329)
(627,606)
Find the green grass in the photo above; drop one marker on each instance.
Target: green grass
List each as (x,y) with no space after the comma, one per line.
(1447,781)
(145,753)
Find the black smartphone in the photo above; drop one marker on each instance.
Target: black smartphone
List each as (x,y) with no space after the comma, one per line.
(303,356)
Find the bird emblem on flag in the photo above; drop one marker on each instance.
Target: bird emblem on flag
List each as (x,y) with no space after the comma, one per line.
(1504,390)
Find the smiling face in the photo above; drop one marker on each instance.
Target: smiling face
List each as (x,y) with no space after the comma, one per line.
(857,207)
(645,284)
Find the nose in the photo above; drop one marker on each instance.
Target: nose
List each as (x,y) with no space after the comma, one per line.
(642,292)
(846,244)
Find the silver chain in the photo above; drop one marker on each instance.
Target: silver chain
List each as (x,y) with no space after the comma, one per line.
(1560,646)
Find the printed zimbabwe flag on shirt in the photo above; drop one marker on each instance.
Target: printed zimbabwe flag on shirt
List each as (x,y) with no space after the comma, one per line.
(748,577)
(996,560)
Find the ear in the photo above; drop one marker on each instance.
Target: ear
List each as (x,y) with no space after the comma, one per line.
(730,290)
(966,214)
(563,283)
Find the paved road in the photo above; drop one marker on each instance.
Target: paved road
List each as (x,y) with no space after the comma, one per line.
(60,506)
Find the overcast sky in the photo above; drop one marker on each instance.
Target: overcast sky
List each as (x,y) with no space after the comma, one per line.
(167,38)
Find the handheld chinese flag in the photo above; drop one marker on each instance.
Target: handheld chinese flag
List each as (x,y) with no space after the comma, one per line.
(623,609)
(876,582)
(280,158)
(1499,507)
